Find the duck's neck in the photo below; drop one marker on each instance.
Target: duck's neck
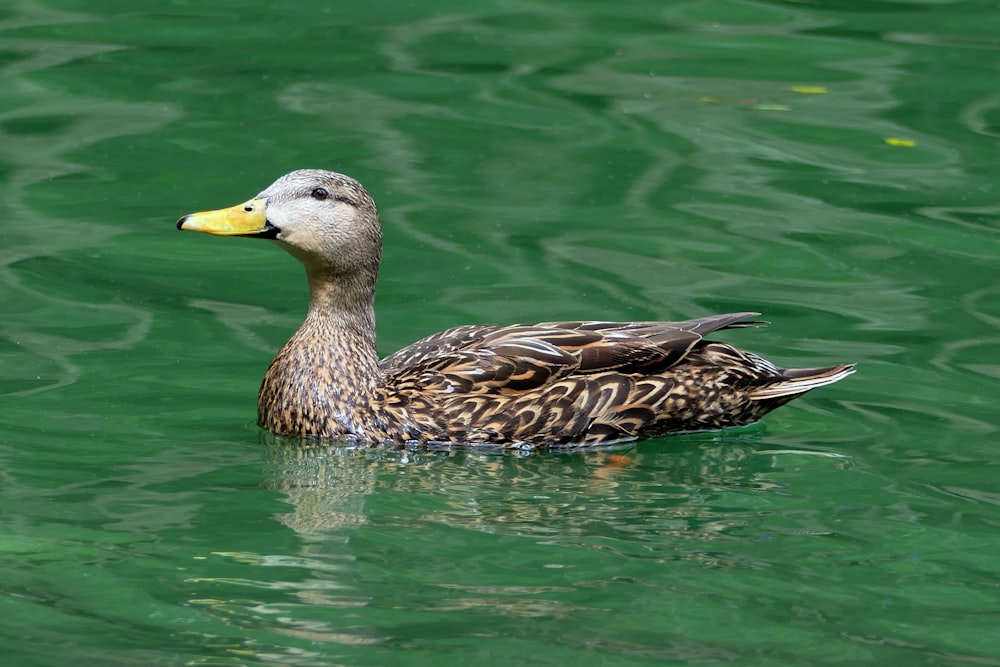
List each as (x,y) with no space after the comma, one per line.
(326,374)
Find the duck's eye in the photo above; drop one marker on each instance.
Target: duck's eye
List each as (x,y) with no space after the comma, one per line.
(320,193)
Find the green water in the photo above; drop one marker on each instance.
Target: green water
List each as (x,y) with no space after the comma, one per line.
(832,165)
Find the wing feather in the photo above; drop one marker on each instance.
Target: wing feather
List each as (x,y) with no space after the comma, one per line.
(564,381)
(523,357)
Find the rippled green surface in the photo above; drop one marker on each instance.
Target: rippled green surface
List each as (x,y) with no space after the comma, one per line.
(833,165)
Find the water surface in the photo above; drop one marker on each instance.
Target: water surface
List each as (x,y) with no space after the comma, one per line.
(830,165)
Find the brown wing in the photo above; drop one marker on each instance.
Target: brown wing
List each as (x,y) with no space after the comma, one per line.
(525,381)
(598,343)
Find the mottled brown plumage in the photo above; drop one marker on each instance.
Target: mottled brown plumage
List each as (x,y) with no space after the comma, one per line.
(547,384)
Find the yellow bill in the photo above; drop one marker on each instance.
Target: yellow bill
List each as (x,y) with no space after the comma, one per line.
(246,219)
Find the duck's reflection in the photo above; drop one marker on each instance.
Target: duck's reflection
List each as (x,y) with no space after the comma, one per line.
(648,489)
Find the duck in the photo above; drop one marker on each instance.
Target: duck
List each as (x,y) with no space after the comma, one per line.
(546,384)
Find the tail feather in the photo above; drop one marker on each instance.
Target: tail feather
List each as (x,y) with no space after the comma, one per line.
(797,381)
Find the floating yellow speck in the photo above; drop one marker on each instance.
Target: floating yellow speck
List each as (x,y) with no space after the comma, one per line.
(707,99)
(899,141)
(810,90)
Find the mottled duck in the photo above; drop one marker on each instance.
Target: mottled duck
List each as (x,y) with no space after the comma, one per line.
(522,385)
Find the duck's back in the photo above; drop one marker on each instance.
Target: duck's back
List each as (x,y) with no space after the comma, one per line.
(559,383)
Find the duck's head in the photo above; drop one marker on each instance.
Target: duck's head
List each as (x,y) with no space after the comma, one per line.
(326,220)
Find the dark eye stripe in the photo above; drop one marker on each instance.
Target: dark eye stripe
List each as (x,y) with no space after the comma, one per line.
(322,194)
